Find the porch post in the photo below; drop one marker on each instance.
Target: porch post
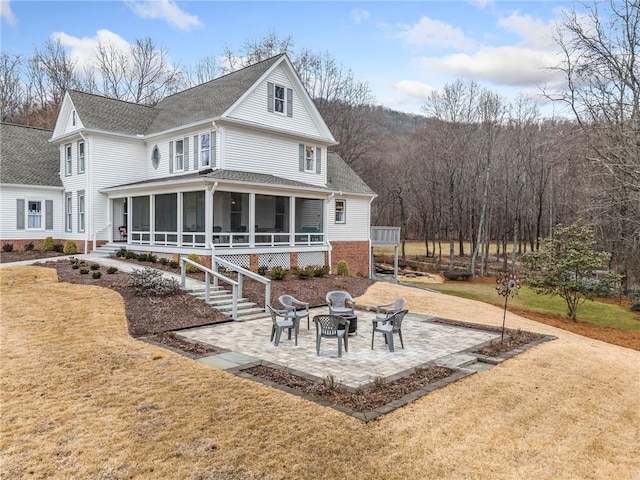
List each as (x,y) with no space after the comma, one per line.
(109,220)
(152,219)
(208,212)
(252,221)
(292,220)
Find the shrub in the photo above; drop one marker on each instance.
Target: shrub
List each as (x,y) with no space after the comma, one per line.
(163,261)
(70,247)
(635,307)
(84,271)
(95,266)
(151,283)
(58,247)
(75,266)
(121,252)
(96,275)
(342,268)
(48,244)
(7,247)
(174,264)
(151,257)
(142,257)
(262,271)
(320,271)
(28,247)
(306,272)
(458,275)
(194,258)
(278,273)
(130,255)
(111,270)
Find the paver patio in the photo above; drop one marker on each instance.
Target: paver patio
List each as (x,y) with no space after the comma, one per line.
(424,340)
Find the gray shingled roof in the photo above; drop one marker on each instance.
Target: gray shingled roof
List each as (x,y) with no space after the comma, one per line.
(111,115)
(342,178)
(208,100)
(27,157)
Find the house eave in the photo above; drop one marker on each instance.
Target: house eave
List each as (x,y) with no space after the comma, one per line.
(31,185)
(280,131)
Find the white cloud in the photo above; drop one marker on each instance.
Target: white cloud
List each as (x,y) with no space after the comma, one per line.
(358,15)
(534,33)
(429,32)
(7,13)
(508,65)
(164,9)
(414,88)
(482,4)
(83,50)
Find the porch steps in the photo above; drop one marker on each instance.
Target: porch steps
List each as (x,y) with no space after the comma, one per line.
(222,300)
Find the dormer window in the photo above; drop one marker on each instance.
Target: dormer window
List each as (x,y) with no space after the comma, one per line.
(179,156)
(278,105)
(205,149)
(73,118)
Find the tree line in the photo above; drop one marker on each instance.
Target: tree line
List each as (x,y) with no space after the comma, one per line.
(473,168)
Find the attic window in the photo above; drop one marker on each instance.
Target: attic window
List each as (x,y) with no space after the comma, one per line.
(73,118)
(155,157)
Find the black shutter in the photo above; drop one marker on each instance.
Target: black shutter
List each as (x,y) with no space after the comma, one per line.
(270,94)
(20,214)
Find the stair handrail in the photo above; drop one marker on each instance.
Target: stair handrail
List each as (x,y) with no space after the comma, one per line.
(217,276)
(95,236)
(243,272)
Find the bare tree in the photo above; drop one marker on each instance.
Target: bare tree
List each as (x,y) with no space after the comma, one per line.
(600,65)
(11,90)
(205,70)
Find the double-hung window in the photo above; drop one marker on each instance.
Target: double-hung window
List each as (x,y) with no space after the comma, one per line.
(179,156)
(205,149)
(67,212)
(34,214)
(81,209)
(67,159)
(80,157)
(341,211)
(309,159)
(279,99)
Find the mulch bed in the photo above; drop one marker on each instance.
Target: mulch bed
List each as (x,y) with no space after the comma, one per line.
(20,255)
(154,319)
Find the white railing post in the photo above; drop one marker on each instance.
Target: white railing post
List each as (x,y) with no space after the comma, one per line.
(183,272)
(234,311)
(267,296)
(240,278)
(206,287)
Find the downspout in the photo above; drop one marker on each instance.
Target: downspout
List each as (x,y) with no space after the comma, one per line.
(88,225)
(326,220)
(369,237)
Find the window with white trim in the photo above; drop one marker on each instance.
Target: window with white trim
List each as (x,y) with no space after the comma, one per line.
(81,209)
(341,211)
(205,149)
(309,158)
(67,159)
(179,156)
(73,118)
(279,98)
(67,212)
(34,214)
(80,157)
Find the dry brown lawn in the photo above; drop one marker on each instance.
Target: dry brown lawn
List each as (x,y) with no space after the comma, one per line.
(82,399)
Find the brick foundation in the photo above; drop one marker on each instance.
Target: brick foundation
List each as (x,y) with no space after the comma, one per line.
(356,254)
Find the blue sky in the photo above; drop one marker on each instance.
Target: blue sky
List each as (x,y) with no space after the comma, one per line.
(404,50)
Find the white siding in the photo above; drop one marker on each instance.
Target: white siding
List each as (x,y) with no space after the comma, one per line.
(8,211)
(255,152)
(111,161)
(254,107)
(357,216)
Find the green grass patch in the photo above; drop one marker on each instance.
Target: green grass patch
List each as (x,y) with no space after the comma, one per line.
(595,312)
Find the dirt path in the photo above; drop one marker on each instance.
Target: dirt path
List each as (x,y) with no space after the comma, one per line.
(81,398)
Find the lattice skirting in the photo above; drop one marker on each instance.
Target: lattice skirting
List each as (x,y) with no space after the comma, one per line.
(270,260)
(315,259)
(239,260)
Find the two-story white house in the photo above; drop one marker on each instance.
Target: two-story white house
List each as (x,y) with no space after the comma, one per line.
(237,167)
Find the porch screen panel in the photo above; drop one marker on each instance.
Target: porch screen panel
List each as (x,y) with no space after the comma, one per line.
(166,216)
(309,215)
(193,212)
(140,217)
